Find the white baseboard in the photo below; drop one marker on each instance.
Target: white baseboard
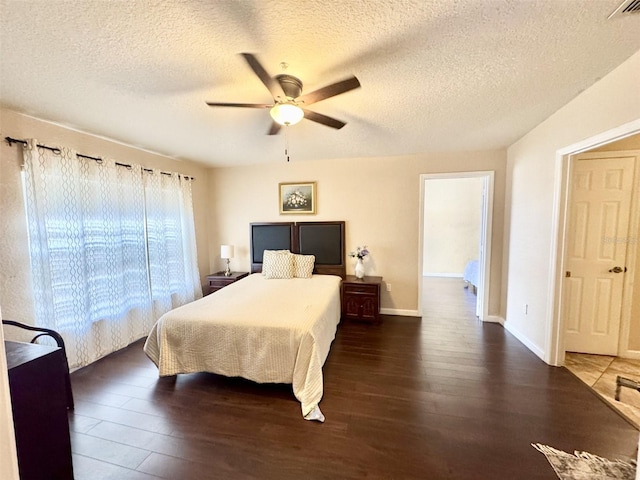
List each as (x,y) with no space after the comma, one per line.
(447,275)
(494,319)
(632,354)
(414,313)
(524,340)
(399,312)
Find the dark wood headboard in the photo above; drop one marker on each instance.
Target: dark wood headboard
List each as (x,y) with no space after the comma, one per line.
(325,240)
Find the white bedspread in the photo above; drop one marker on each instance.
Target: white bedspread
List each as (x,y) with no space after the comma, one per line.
(268,331)
(471,272)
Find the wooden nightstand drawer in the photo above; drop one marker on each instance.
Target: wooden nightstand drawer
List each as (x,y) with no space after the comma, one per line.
(219,280)
(364,288)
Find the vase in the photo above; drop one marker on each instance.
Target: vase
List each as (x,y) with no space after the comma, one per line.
(359,269)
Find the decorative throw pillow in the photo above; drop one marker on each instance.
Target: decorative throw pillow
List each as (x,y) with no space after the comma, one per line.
(303,265)
(277,264)
(271,252)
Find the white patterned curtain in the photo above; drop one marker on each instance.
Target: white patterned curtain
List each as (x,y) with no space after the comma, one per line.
(89,251)
(173,263)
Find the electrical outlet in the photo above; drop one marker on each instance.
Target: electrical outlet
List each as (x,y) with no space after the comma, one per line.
(525,309)
(388,287)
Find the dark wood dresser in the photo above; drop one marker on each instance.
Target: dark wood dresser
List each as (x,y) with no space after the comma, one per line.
(361,298)
(37,381)
(219,280)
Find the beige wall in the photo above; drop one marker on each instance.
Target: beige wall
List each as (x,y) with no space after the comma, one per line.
(531,179)
(629,143)
(452,217)
(15,281)
(379,198)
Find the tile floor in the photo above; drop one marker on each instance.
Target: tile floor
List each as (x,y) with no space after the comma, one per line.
(600,372)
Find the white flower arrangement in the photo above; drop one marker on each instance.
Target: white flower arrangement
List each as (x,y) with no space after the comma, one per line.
(360,252)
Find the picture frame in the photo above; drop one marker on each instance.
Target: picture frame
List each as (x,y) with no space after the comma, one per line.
(297,198)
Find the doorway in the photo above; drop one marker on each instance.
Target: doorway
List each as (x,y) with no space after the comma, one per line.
(599,371)
(557,324)
(449,246)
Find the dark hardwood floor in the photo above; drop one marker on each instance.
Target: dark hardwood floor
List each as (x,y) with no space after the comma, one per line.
(442,397)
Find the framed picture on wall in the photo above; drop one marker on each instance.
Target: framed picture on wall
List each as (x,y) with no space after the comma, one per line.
(297,198)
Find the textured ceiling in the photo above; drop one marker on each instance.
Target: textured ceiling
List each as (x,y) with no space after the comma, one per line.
(436,75)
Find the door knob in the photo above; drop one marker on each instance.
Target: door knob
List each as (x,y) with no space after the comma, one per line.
(618,269)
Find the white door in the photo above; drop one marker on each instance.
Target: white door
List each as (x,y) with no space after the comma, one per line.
(595,259)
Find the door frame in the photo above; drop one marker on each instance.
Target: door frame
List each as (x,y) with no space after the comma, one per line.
(484,262)
(555,353)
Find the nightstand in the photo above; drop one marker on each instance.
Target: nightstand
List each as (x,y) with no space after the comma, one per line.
(361,298)
(219,280)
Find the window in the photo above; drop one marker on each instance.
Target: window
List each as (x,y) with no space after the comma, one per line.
(112,248)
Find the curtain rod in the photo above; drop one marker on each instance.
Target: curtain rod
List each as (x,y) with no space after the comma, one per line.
(11,141)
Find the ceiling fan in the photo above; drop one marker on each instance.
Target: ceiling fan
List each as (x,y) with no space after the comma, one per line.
(288,106)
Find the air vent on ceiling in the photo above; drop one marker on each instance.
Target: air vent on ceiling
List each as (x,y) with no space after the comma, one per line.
(628,6)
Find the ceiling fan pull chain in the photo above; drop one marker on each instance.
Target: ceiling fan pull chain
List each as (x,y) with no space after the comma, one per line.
(286,142)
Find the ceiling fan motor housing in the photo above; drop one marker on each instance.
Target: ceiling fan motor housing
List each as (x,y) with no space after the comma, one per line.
(292,86)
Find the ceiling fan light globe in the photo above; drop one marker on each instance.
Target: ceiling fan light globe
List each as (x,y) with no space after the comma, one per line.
(286,113)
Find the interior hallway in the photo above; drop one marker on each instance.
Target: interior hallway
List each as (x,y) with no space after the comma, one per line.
(448,295)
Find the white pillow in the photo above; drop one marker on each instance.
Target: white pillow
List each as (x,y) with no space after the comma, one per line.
(272,252)
(277,264)
(303,265)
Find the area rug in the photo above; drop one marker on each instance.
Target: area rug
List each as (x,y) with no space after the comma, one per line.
(585,466)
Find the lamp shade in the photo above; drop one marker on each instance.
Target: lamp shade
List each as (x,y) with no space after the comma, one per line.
(226,251)
(286,113)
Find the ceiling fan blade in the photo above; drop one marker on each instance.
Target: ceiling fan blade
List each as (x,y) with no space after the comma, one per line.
(329,91)
(244,105)
(323,119)
(275,128)
(271,83)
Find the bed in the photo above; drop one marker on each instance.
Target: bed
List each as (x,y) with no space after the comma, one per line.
(268,330)
(470,275)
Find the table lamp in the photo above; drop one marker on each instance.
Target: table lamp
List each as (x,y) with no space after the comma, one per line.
(226,252)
